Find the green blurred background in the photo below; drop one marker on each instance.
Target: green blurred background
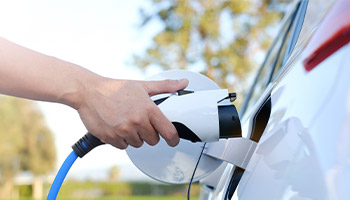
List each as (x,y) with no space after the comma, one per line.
(222,39)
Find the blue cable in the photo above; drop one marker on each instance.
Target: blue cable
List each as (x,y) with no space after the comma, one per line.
(61,175)
(80,148)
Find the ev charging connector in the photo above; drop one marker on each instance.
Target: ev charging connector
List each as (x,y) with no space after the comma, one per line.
(198,115)
(202,116)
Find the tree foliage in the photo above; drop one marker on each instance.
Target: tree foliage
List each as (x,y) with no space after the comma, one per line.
(218,37)
(114,173)
(26,142)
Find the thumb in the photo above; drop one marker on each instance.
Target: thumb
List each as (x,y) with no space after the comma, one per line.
(165,86)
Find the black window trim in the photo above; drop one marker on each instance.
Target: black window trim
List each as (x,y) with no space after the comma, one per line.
(298,18)
(299,21)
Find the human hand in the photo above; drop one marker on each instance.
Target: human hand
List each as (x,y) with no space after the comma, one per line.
(121,112)
(118,112)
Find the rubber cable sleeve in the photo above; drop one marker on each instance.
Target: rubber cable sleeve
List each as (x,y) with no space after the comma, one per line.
(61,175)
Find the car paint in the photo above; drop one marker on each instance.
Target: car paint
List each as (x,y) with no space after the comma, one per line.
(304,152)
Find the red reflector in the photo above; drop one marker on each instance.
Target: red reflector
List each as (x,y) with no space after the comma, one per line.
(332,34)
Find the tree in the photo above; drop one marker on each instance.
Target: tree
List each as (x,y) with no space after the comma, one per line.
(218,37)
(114,173)
(26,142)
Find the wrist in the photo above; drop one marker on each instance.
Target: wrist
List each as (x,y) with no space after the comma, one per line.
(76,90)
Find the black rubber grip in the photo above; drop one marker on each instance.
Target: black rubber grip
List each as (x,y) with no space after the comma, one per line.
(86,144)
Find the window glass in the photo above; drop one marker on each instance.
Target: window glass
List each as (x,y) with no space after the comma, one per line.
(273,62)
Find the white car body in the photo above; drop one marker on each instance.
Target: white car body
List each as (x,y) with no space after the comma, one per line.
(303,115)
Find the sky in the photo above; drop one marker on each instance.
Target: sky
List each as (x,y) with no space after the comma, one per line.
(98,35)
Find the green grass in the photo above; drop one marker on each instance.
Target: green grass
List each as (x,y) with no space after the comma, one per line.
(129,198)
(75,190)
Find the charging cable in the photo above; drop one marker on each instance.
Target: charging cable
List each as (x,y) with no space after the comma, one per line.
(80,149)
(194,171)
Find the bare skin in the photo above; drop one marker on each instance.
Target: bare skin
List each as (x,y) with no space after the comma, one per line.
(118,112)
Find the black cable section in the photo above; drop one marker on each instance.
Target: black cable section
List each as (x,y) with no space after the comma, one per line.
(194,171)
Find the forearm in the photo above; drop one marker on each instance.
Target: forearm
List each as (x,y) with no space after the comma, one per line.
(29,74)
(119,112)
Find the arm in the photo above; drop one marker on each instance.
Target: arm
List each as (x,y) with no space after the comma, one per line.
(118,112)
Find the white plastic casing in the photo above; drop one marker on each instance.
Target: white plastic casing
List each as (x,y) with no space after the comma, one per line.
(176,164)
(198,111)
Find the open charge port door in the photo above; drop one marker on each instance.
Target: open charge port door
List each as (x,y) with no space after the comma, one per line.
(259,123)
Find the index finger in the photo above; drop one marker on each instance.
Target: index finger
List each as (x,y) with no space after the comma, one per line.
(164,127)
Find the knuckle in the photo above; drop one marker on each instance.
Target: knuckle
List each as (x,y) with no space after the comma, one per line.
(151,112)
(137,144)
(154,141)
(136,120)
(122,146)
(113,137)
(122,128)
(110,138)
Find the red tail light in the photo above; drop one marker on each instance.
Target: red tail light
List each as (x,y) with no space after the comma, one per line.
(332,34)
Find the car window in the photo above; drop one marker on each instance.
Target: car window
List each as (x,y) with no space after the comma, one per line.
(276,57)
